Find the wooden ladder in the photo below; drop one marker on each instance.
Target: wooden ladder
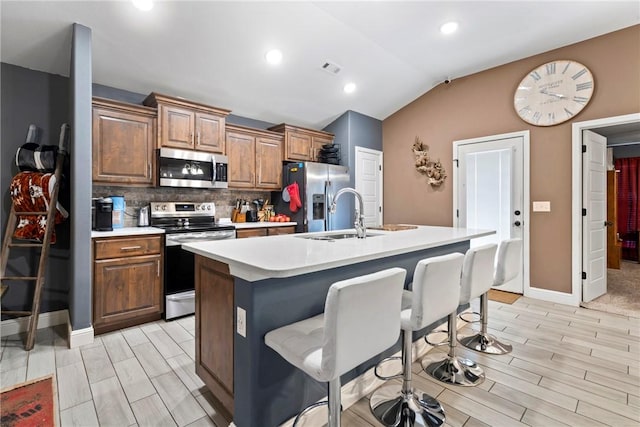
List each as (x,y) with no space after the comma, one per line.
(9,243)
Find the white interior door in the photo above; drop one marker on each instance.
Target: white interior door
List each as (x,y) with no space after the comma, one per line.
(369,184)
(594,230)
(489,192)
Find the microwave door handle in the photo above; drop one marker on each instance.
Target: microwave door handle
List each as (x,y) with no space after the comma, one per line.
(213,168)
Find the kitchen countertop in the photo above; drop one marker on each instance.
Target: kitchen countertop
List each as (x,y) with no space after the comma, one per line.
(292,255)
(127,231)
(262,224)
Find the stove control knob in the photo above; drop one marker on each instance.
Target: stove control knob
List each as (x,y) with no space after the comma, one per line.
(208,207)
(164,207)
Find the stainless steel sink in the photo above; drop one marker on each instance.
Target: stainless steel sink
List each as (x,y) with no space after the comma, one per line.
(336,236)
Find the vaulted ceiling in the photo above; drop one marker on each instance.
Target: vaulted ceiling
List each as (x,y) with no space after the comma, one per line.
(213,51)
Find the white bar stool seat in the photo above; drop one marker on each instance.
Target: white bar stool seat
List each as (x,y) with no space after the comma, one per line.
(361,319)
(508,262)
(476,279)
(435,293)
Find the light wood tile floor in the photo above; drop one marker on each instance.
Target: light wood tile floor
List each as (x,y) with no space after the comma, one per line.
(569,366)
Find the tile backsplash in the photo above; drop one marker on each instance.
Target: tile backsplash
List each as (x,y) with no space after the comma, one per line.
(136,197)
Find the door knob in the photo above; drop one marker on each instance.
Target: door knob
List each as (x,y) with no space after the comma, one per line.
(517,223)
(608,223)
(516,213)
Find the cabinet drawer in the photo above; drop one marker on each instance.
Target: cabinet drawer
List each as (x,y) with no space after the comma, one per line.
(251,232)
(275,231)
(126,247)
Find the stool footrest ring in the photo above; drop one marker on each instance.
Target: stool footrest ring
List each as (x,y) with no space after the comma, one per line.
(386,378)
(473,313)
(436,344)
(308,408)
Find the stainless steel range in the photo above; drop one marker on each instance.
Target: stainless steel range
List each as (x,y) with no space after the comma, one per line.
(184,222)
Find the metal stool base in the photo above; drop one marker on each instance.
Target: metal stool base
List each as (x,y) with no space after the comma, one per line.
(456,370)
(485,343)
(393,408)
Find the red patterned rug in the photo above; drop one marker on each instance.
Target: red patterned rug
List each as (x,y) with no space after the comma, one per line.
(29,404)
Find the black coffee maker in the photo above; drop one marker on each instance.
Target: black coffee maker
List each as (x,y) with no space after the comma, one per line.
(102,214)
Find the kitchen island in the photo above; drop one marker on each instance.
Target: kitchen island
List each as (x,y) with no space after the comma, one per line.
(247,287)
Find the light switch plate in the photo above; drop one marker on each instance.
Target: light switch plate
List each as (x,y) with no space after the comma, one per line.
(542,206)
(241,320)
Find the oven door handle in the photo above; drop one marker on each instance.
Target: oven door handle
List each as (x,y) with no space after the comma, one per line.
(182,296)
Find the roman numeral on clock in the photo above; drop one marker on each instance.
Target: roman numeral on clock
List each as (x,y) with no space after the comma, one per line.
(551,117)
(584,86)
(535,76)
(524,110)
(569,113)
(536,116)
(578,74)
(551,68)
(580,99)
(566,67)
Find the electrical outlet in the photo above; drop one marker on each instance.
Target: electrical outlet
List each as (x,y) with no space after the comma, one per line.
(241,320)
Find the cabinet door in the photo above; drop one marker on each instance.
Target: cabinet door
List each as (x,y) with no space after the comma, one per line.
(209,133)
(250,232)
(316,145)
(275,231)
(241,152)
(176,127)
(298,146)
(123,148)
(268,163)
(125,288)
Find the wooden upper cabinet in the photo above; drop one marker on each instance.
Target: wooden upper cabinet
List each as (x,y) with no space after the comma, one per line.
(210,133)
(255,158)
(302,144)
(317,141)
(123,143)
(176,127)
(241,150)
(268,163)
(189,125)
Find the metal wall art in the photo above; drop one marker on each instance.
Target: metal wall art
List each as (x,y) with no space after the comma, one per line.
(433,170)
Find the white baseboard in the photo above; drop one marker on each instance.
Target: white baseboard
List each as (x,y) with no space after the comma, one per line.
(552,296)
(364,384)
(45,320)
(80,336)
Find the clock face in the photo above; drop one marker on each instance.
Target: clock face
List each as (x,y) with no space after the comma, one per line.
(553,93)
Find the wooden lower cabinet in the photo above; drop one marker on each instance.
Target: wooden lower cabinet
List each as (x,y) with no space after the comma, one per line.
(127,282)
(214,329)
(250,232)
(275,231)
(264,231)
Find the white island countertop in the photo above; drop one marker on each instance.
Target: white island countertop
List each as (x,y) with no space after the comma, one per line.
(292,254)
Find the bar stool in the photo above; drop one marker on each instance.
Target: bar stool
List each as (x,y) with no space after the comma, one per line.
(477,276)
(435,293)
(361,319)
(508,263)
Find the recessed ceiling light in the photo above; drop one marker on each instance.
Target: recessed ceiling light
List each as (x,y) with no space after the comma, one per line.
(144,5)
(349,88)
(274,57)
(449,28)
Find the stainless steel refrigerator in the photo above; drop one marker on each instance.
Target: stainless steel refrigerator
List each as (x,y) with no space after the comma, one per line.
(317,183)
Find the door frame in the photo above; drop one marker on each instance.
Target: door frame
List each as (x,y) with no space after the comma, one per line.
(356,178)
(576,200)
(526,288)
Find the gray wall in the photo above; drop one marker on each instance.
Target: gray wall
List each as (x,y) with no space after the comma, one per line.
(625,151)
(353,130)
(32,97)
(80,82)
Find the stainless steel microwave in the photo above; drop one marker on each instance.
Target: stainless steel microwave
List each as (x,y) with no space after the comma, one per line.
(195,169)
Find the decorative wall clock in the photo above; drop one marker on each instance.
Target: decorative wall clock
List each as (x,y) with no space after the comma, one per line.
(553,92)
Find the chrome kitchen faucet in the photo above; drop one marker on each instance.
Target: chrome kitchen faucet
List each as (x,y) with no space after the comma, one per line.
(361,229)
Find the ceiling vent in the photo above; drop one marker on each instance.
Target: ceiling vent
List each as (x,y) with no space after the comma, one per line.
(331,68)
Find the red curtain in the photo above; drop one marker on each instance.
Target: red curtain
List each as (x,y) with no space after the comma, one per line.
(628,212)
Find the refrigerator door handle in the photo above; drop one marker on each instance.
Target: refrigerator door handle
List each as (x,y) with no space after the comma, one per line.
(328,197)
